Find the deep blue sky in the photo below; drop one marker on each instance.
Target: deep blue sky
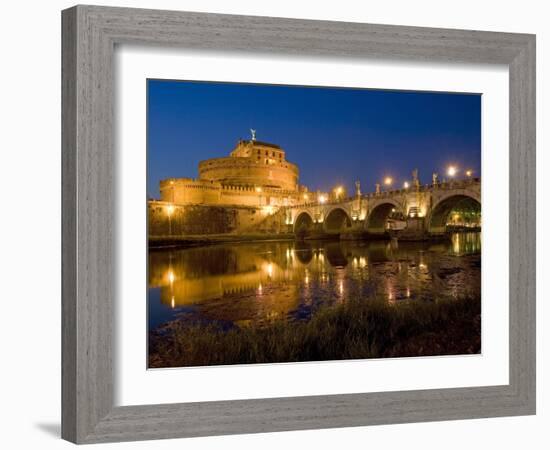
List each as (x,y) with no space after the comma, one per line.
(335,135)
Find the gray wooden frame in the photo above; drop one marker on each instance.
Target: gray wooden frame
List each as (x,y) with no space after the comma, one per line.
(89,36)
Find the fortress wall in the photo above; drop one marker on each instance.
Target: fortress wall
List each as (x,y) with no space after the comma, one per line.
(251,172)
(189,220)
(244,198)
(205,220)
(186,191)
(235,195)
(272,223)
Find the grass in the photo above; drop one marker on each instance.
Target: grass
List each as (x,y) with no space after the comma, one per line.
(354,330)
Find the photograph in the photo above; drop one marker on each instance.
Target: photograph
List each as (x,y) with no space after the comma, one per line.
(292,224)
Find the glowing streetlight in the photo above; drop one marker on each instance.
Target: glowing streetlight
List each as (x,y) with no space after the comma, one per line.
(388,181)
(406,185)
(322,199)
(306,197)
(469,172)
(452,171)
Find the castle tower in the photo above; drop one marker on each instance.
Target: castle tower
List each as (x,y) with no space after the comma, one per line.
(252,163)
(255,174)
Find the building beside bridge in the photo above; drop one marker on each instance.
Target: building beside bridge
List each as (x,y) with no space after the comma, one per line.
(256,190)
(255,174)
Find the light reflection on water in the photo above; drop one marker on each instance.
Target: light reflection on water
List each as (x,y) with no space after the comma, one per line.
(265,281)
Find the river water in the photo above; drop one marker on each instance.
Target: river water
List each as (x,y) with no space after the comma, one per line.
(256,283)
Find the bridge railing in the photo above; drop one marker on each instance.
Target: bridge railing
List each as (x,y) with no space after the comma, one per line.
(452,184)
(444,185)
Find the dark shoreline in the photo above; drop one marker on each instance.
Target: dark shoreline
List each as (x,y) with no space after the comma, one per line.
(163,243)
(179,242)
(360,329)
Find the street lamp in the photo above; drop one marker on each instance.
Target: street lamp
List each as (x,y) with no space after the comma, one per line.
(452,171)
(469,173)
(338,191)
(322,199)
(406,185)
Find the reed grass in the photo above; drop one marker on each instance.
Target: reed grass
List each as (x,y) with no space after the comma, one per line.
(354,330)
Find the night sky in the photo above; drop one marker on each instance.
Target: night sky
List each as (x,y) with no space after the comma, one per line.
(334,135)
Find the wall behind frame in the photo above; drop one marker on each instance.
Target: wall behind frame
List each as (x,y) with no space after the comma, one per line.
(30,181)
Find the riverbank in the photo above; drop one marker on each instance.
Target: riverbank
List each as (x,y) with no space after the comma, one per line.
(167,242)
(358,329)
(163,242)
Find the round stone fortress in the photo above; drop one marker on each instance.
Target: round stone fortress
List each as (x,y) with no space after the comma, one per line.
(252,164)
(254,174)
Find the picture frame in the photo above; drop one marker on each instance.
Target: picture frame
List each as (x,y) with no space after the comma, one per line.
(90,34)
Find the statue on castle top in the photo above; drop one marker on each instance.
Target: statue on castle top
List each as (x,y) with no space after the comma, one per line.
(253,133)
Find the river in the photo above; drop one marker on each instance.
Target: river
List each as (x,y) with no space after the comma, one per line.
(239,285)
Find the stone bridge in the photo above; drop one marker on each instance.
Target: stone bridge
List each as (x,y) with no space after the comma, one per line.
(426,210)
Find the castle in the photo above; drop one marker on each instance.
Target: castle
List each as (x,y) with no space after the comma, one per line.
(255,190)
(255,174)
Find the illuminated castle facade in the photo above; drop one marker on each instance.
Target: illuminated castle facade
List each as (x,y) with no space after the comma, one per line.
(254,174)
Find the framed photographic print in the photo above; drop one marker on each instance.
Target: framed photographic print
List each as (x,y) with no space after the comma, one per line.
(296,208)
(262,260)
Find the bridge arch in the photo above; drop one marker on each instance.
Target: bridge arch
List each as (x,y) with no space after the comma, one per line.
(303,222)
(337,220)
(378,215)
(440,211)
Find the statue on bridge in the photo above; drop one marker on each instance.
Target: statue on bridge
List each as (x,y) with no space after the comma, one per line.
(377,188)
(416,182)
(434,179)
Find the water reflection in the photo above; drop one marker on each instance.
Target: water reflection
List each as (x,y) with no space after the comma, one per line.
(266,281)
